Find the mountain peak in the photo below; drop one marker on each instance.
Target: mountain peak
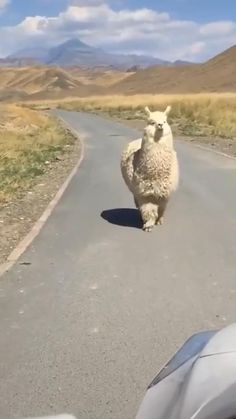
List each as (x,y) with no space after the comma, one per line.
(74,43)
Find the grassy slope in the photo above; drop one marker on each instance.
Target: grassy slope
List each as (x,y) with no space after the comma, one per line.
(29,142)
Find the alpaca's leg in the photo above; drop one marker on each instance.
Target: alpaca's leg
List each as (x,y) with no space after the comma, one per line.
(149,215)
(136,202)
(161,210)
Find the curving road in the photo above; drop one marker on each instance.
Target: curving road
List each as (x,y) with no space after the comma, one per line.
(86,325)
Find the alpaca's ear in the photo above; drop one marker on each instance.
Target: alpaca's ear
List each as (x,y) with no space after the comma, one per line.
(168,109)
(147,110)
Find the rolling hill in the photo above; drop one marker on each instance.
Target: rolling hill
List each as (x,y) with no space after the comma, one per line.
(45,79)
(100,76)
(54,82)
(216,75)
(35,79)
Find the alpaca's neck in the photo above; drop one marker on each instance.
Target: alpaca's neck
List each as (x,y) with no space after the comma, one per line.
(149,142)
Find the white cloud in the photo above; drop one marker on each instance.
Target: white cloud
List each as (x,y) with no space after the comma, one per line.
(218,29)
(4,4)
(142,31)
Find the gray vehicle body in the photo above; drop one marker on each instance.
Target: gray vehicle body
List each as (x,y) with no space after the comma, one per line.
(199,382)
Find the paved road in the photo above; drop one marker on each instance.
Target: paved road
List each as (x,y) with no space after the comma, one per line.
(86,326)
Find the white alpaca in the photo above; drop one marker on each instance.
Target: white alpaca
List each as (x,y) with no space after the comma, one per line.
(149,167)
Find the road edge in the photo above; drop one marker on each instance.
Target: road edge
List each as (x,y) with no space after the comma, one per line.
(219,153)
(38,225)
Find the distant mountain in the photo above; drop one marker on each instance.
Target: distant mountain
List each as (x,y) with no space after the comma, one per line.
(182,62)
(74,52)
(36,54)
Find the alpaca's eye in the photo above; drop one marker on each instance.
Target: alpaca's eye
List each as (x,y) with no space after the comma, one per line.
(152,122)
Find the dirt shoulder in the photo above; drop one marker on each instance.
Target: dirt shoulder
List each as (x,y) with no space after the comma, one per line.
(22,209)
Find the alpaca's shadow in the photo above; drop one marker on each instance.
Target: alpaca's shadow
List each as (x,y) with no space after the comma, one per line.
(124,217)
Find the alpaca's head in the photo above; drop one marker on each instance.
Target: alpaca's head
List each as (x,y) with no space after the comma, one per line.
(157,125)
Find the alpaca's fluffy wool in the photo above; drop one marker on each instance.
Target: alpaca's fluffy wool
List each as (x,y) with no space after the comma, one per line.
(150,168)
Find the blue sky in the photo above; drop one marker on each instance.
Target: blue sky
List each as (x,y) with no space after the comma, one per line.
(178,29)
(197,10)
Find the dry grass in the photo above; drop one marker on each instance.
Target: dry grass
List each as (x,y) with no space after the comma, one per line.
(196,114)
(29,142)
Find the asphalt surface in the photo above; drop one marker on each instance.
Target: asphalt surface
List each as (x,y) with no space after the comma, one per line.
(100,305)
